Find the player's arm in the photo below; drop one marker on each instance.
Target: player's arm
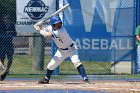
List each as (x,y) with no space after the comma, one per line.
(43,31)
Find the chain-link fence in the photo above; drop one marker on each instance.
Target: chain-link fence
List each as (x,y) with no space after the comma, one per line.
(102,29)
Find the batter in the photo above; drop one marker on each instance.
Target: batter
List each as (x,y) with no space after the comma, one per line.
(66,47)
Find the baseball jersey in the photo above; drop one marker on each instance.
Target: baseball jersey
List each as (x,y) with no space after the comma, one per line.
(137,32)
(60,36)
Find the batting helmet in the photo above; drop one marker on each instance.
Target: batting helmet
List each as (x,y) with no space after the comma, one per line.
(55,20)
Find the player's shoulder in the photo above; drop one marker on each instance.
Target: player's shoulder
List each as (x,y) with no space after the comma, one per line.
(48,28)
(138,27)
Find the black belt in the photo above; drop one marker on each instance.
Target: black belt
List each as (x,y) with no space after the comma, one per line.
(67,48)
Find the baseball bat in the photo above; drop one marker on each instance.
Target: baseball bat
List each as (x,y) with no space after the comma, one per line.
(57,12)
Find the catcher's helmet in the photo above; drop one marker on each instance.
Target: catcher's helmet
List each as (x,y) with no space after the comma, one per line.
(55,20)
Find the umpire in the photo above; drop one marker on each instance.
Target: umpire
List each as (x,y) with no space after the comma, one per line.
(7,32)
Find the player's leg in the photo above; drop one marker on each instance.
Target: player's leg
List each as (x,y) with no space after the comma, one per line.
(2,57)
(81,70)
(76,61)
(2,67)
(2,54)
(46,79)
(54,63)
(138,54)
(9,52)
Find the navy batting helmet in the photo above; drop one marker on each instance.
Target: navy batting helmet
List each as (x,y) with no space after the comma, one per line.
(55,20)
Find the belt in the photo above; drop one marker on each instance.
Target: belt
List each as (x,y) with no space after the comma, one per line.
(67,48)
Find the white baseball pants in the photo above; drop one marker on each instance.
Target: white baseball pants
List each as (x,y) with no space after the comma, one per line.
(61,55)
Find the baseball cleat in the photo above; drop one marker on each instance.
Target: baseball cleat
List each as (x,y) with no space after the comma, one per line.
(86,80)
(43,81)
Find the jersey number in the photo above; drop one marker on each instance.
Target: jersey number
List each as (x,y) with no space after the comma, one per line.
(58,38)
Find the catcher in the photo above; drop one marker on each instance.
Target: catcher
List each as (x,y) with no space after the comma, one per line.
(66,47)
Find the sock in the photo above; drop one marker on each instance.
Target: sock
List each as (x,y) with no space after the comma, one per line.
(49,73)
(81,70)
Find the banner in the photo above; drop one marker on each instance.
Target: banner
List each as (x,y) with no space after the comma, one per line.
(101,29)
(29,12)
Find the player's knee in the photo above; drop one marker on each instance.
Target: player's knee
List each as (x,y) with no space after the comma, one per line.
(51,66)
(77,64)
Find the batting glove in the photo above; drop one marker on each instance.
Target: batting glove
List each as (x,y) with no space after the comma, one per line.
(38,26)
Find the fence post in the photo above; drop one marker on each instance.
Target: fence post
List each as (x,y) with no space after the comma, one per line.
(38,51)
(56,72)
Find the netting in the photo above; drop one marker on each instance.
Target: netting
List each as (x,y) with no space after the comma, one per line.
(102,29)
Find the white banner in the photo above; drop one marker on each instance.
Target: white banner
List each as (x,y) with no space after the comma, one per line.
(29,12)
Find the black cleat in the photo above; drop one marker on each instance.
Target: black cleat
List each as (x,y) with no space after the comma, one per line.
(4,75)
(43,81)
(86,80)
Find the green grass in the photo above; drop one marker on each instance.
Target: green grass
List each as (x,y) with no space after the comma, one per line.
(23,64)
(23,67)
(127,76)
(90,67)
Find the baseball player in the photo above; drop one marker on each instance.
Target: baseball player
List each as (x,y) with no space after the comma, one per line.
(137,35)
(66,47)
(7,33)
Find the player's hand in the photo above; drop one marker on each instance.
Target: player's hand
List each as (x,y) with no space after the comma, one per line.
(40,23)
(38,26)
